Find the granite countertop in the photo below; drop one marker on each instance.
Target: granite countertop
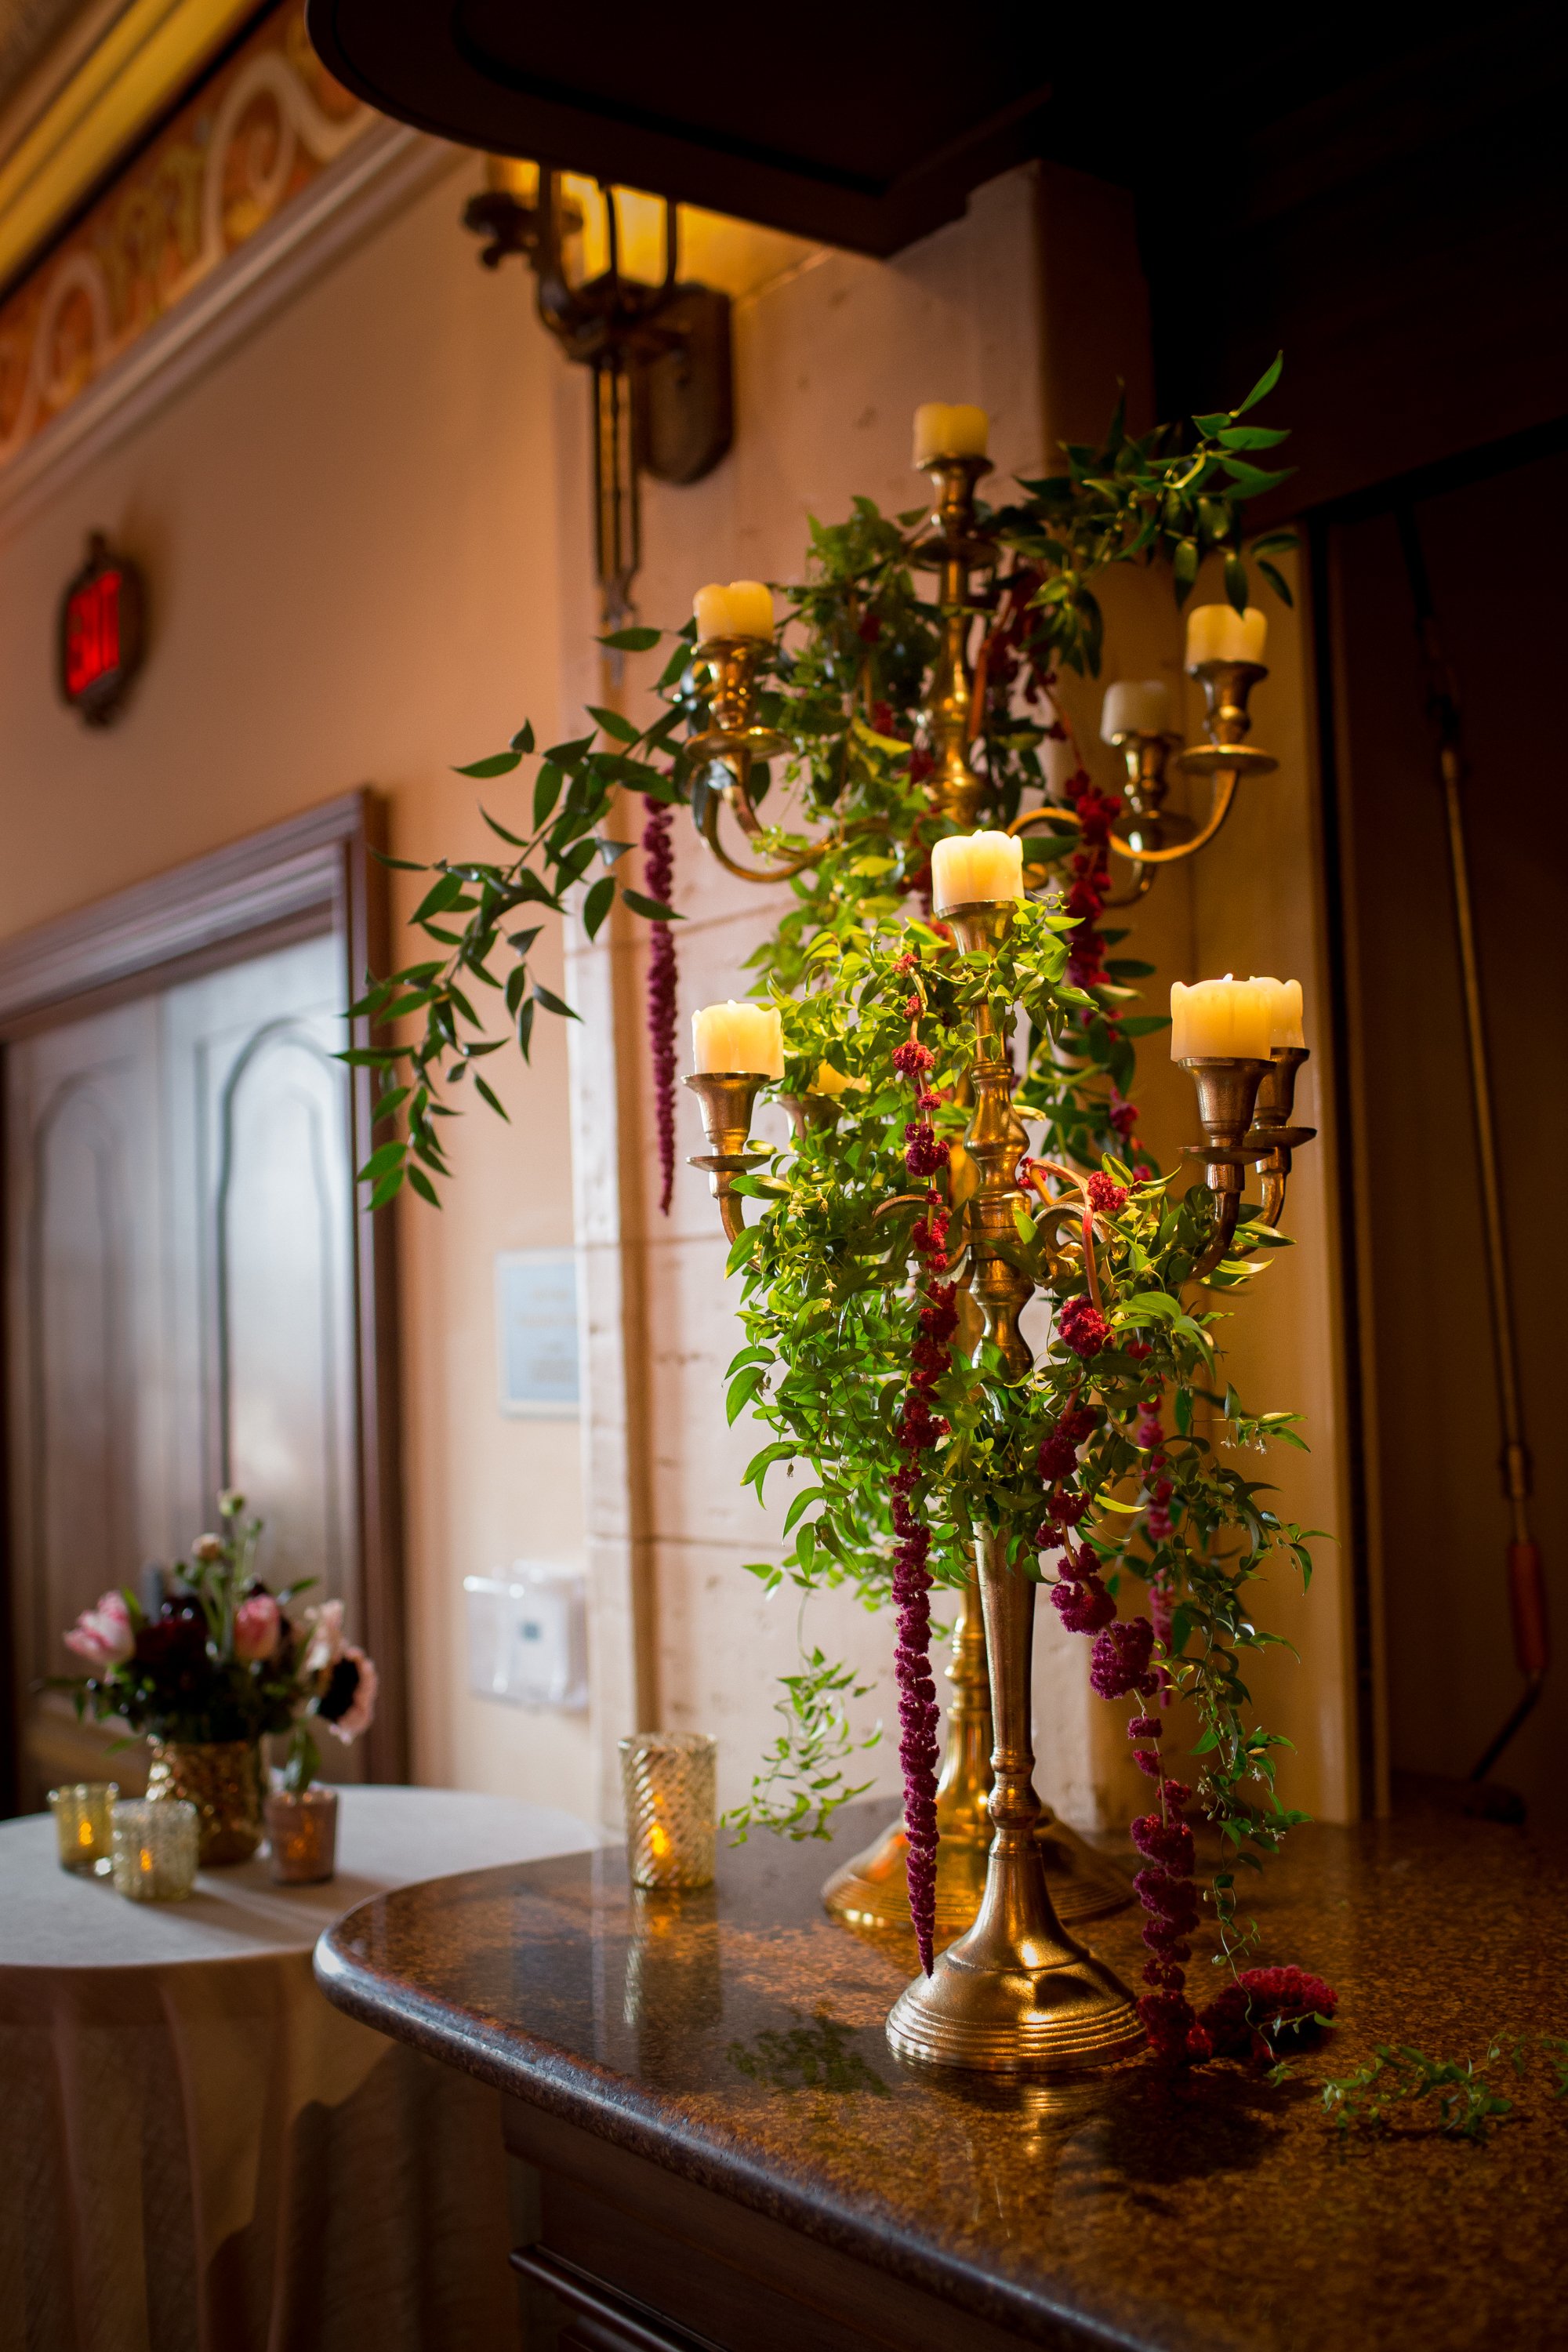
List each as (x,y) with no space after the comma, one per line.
(735,2038)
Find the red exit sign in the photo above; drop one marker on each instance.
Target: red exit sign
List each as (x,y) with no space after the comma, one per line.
(101,633)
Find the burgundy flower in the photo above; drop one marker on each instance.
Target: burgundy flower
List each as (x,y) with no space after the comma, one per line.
(1082,1326)
(1241,2021)
(1105,1194)
(658,879)
(1119,1660)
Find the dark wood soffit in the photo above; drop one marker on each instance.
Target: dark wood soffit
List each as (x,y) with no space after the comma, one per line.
(771,126)
(261,883)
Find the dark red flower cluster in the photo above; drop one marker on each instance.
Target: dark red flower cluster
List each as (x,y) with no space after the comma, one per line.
(1106,1196)
(1149,1434)
(1082,1326)
(1244,2018)
(658,880)
(919,1428)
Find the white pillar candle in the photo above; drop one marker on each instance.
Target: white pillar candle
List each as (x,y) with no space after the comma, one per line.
(969,867)
(739,1037)
(1135,706)
(1284,1001)
(950,429)
(1219,633)
(744,609)
(1218,1020)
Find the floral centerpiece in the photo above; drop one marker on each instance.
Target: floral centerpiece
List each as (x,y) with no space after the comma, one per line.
(213,1668)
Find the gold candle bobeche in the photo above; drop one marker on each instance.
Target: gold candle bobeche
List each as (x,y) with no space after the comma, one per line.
(84,1825)
(156,1845)
(669,1780)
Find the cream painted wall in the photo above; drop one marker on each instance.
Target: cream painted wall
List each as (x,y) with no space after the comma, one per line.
(351,528)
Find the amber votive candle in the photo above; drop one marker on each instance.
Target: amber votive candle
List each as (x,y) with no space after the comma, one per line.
(84,1825)
(156,1845)
(302,1835)
(670,1780)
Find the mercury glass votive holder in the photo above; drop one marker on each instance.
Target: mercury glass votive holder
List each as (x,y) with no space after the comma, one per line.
(84,1825)
(302,1835)
(669,1780)
(156,1846)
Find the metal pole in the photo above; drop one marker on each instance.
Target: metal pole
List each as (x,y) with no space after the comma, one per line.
(1527,1591)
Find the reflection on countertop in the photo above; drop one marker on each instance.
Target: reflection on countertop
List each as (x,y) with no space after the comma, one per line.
(735,2037)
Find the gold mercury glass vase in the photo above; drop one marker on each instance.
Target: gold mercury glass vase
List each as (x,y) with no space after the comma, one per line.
(226,1781)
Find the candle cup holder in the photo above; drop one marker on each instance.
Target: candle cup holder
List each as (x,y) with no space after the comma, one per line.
(84,1825)
(1228,1086)
(1226,686)
(156,1849)
(302,1835)
(727,1097)
(1152,826)
(669,1781)
(735,736)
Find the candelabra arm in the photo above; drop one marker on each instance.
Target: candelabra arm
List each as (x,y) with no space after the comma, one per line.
(779,873)
(1227,1211)
(1225,783)
(1272,1139)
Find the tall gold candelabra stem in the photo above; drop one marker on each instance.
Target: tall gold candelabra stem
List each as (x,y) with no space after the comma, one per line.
(953,547)
(870,1892)
(1016,1994)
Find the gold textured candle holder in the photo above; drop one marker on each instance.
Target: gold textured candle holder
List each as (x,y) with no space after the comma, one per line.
(669,1783)
(157,1843)
(84,1825)
(1228,1088)
(302,1835)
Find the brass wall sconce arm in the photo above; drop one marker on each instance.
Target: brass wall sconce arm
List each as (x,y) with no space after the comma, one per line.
(660,356)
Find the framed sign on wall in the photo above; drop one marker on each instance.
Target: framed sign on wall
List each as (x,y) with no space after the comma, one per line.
(102,636)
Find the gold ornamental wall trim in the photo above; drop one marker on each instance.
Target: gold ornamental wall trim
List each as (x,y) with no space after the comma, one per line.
(129,76)
(246,144)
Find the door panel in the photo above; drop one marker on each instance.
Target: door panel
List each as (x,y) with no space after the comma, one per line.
(85,1323)
(181,1299)
(260,1256)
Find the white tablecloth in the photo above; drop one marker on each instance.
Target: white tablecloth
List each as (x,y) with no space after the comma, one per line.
(198,2153)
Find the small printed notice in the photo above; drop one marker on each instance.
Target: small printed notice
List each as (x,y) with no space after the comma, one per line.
(536,1327)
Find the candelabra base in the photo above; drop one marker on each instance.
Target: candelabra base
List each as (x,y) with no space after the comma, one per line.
(870,1894)
(1017,1995)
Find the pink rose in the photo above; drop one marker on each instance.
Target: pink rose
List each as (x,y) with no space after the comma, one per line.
(326,1643)
(356,1700)
(257,1623)
(104,1637)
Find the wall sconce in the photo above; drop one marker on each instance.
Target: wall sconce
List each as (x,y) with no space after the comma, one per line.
(660,355)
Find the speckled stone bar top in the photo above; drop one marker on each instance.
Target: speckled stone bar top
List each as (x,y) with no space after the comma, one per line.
(735,2038)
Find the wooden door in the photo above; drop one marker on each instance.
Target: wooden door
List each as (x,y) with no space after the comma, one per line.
(194,1298)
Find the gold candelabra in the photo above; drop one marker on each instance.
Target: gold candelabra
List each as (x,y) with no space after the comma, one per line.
(1016,1993)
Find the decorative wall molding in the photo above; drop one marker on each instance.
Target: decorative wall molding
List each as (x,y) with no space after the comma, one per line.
(303,185)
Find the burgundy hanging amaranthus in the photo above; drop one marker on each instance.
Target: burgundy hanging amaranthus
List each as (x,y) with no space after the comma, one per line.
(919,1428)
(1124,1664)
(658,880)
